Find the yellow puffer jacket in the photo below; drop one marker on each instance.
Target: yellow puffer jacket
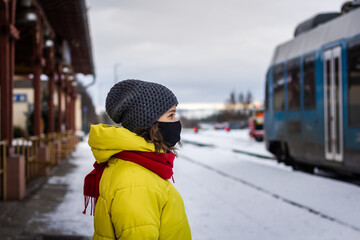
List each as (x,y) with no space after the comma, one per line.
(134,202)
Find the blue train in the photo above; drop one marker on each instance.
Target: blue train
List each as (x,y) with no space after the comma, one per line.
(312,96)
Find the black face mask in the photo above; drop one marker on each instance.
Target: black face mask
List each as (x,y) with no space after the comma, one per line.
(170,132)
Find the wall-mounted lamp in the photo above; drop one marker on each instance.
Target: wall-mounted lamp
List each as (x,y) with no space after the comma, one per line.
(26,13)
(66,70)
(48,43)
(26,16)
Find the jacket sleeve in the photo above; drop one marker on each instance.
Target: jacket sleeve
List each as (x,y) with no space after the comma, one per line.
(135,213)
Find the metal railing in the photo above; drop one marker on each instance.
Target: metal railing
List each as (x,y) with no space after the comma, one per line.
(3,154)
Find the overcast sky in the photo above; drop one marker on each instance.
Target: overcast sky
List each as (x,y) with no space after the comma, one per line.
(201,49)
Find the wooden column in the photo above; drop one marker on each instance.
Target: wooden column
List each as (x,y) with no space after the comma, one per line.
(51,112)
(51,87)
(14,33)
(8,34)
(73,110)
(5,70)
(59,91)
(39,62)
(70,116)
(67,92)
(14,176)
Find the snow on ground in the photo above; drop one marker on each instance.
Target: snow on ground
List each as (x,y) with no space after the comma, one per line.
(234,196)
(236,139)
(220,208)
(68,218)
(293,205)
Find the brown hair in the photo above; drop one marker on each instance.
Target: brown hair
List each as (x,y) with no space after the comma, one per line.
(152,134)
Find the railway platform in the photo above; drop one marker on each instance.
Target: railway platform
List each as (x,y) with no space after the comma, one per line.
(26,219)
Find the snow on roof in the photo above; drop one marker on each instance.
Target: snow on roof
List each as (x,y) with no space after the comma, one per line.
(344,26)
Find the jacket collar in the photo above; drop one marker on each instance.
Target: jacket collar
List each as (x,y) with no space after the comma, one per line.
(107,140)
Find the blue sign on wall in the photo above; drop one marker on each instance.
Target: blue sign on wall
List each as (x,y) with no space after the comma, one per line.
(20,97)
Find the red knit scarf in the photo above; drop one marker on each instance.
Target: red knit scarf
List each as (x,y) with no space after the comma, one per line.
(161,164)
(91,186)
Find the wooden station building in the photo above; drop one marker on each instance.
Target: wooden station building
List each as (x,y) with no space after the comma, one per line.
(40,39)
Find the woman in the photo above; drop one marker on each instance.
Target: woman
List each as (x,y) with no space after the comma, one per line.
(129,185)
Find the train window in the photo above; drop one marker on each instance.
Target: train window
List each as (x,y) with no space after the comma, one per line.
(309,81)
(293,84)
(354,82)
(278,86)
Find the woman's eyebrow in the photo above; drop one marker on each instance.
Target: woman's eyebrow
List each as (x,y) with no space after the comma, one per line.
(171,111)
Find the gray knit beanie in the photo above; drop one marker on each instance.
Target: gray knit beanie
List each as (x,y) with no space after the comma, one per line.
(136,103)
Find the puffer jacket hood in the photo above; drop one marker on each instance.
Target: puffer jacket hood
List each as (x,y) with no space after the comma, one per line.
(107,140)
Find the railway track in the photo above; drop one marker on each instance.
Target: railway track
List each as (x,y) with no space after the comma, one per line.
(317,172)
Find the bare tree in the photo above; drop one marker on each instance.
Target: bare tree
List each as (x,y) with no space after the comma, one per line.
(232,98)
(249,98)
(241,98)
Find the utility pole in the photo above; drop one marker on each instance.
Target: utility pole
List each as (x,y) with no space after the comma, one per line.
(116,65)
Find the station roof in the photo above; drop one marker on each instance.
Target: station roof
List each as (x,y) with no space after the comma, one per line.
(68,18)
(63,19)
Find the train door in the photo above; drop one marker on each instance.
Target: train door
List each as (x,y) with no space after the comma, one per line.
(333,105)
